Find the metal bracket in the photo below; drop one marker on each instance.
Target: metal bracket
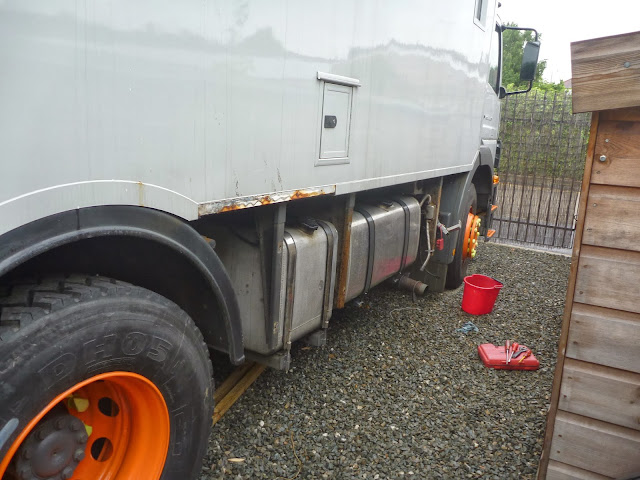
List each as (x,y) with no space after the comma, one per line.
(326,305)
(452,228)
(292,255)
(317,338)
(279,360)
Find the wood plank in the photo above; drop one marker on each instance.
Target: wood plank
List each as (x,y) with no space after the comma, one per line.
(617,171)
(595,446)
(618,139)
(229,382)
(602,393)
(612,218)
(562,471)
(604,336)
(619,142)
(631,114)
(606,73)
(608,278)
(234,394)
(566,321)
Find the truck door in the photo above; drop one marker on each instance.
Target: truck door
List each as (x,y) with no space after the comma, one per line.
(491,111)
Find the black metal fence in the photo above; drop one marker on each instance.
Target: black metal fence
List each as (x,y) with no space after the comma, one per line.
(543,155)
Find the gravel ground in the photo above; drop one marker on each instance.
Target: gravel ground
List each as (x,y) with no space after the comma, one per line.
(397,393)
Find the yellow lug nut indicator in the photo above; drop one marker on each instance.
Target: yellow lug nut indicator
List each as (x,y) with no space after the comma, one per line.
(78,403)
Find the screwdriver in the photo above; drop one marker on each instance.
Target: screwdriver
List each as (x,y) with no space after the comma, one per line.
(514,348)
(507,347)
(524,356)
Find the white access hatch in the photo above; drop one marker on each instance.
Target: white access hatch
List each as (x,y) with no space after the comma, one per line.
(335,122)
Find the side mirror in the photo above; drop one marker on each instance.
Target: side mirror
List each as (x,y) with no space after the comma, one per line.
(529,61)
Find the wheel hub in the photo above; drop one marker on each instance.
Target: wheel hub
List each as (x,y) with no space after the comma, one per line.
(471,235)
(53,449)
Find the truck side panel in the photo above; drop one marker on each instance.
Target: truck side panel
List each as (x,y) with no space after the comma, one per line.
(205,101)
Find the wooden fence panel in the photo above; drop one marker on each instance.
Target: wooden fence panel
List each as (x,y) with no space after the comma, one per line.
(602,393)
(605,277)
(607,337)
(606,72)
(562,471)
(612,218)
(619,142)
(593,445)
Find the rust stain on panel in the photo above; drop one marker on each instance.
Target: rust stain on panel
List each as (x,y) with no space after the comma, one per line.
(140,194)
(250,201)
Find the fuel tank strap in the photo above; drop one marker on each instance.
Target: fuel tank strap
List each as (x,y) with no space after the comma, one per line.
(372,246)
(407,221)
(292,255)
(326,306)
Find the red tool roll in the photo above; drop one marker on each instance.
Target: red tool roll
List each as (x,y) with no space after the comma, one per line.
(494,356)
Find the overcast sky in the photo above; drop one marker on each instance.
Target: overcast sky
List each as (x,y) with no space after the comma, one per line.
(564,21)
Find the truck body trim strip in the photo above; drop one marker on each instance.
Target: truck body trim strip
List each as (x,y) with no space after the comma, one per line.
(339,79)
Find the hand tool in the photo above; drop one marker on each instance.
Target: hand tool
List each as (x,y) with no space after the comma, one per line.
(519,352)
(527,353)
(507,346)
(514,347)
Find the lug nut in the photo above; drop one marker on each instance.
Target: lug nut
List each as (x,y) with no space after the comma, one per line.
(66,473)
(26,453)
(78,455)
(59,424)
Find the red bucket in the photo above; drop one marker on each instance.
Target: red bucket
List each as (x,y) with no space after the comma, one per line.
(480,293)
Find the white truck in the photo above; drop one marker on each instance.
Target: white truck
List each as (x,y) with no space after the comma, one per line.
(188,175)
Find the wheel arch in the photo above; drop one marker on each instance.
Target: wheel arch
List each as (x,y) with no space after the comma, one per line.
(481,175)
(482,178)
(452,197)
(145,247)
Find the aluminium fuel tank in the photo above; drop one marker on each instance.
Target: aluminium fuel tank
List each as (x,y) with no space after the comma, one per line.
(384,240)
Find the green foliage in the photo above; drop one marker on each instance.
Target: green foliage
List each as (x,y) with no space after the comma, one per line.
(513,42)
(541,136)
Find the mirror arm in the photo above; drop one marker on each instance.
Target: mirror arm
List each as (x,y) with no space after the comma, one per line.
(506,94)
(504,27)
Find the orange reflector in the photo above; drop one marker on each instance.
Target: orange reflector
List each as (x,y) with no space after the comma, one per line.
(494,208)
(496,179)
(490,233)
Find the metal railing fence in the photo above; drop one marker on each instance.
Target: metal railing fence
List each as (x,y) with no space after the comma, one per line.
(542,162)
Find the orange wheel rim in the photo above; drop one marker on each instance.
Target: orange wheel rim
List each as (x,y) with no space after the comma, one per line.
(127,423)
(471,235)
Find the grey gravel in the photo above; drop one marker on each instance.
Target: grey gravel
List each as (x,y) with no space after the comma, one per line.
(397,393)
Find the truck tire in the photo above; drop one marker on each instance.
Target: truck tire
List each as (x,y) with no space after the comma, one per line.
(99,378)
(458,267)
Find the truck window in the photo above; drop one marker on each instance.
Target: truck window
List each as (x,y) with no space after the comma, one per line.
(494,60)
(481,12)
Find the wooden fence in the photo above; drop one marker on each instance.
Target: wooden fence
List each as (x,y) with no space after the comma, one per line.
(542,161)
